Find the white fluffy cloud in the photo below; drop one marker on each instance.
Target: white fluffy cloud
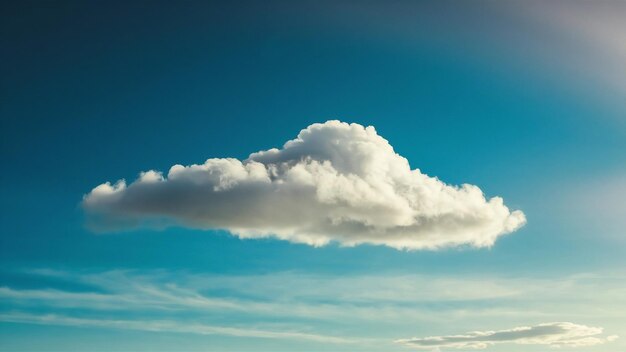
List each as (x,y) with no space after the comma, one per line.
(335,182)
(561,334)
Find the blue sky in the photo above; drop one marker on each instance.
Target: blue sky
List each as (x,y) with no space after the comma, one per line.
(523,99)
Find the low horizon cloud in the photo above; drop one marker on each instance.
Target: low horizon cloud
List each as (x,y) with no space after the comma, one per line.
(336,182)
(559,334)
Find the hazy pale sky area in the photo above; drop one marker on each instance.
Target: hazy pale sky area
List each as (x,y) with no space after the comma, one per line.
(313,176)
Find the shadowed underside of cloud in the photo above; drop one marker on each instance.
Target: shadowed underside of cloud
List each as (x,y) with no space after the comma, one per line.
(561,334)
(335,182)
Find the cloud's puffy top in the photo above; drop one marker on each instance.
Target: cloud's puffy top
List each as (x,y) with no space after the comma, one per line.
(562,334)
(334,182)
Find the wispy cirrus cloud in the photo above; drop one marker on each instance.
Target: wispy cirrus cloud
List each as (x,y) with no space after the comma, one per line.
(559,334)
(319,297)
(335,182)
(166,326)
(300,303)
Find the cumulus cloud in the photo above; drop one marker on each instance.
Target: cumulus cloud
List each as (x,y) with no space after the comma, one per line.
(562,334)
(335,182)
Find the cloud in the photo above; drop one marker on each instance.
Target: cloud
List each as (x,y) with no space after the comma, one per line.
(325,297)
(562,334)
(310,296)
(165,326)
(335,182)
(315,304)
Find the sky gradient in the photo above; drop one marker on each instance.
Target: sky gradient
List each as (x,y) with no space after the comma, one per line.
(524,100)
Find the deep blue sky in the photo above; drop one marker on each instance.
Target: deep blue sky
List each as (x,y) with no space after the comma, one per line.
(468,92)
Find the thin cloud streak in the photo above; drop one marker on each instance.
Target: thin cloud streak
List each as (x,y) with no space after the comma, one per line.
(166,326)
(344,298)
